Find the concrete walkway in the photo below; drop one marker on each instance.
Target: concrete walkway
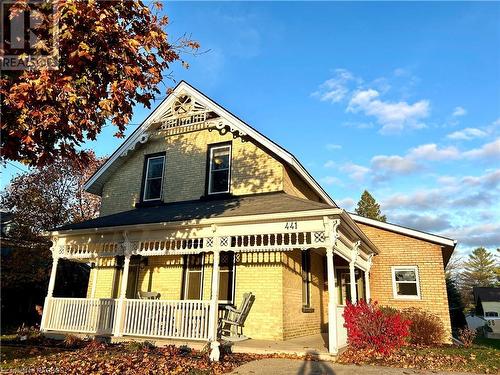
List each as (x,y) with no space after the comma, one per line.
(280,366)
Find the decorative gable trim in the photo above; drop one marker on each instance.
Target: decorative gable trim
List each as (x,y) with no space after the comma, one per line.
(166,117)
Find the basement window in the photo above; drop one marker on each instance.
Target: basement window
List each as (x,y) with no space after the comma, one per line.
(219,169)
(405,283)
(153,177)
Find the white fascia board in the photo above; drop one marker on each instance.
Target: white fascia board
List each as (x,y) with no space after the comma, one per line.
(236,122)
(407,231)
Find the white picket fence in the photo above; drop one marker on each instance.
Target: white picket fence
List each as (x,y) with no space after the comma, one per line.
(167,319)
(82,315)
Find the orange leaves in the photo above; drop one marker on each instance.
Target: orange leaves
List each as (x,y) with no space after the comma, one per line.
(112,55)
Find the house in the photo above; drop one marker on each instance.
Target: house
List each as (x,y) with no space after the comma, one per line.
(199,208)
(487,301)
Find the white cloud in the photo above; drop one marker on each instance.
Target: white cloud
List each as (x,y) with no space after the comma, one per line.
(330,164)
(467,134)
(393,116)
(346,203)
(423,222)
(335,89)
(332,146)
(394,163)
(355,171)
(489,180)
(331,180)
(420,199)
(432,152)
(487,235)
(459,111)
(489,151)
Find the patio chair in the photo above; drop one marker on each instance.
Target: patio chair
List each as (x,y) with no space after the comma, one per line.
(148,295)
(231,326)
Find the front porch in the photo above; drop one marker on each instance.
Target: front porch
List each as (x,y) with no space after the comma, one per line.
(291,290)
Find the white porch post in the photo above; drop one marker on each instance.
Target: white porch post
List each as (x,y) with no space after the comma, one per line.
(332,302)
(367,279)
(214,307)
(352,274)
(50,292)
(120,313)
(94,280)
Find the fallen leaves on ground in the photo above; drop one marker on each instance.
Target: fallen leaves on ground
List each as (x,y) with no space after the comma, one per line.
(442,358)
(119,359)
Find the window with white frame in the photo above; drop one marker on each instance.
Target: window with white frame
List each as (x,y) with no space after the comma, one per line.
(153,177)
(405,282)
(219,169)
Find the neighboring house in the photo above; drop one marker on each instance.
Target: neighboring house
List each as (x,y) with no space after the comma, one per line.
(199,208)
(487,310)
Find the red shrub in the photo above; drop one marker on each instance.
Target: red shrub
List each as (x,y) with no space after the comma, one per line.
(369,327)
(425,328)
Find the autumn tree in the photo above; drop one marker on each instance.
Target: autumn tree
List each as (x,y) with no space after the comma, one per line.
(112,55)
(40,200)
(479,270)
(368,207)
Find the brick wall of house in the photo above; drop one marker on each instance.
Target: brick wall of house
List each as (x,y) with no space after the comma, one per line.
(259,273)
(297,323)
(253,170)
(400,250)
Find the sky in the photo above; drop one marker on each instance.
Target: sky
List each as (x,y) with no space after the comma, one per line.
(401,99)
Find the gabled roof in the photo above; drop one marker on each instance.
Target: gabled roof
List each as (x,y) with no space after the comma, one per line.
(258,204)
(440,240)
(95,183)
(486,294)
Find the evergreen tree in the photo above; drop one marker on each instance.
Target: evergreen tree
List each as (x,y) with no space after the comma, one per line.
(368,207)
(479,270)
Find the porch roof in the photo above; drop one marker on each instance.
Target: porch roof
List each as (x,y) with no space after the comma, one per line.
(257,204)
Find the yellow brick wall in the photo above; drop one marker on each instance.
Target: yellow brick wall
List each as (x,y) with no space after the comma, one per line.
(399,250)
(259,273)
(295,322)
(107,282)
(252,170)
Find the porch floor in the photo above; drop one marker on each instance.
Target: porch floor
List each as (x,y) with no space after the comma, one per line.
(315,345)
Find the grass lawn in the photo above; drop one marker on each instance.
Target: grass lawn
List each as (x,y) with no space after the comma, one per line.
(482,357)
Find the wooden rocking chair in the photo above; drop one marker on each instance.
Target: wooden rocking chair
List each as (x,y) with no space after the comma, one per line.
(231,327)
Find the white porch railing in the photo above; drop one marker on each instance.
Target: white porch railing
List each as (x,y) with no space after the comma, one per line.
(167,319)
(341,330)
(80,315)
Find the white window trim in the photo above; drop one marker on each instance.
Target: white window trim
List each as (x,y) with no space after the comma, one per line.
(233,281)
(186,278)
(146,178)
(394,286)
(212,149)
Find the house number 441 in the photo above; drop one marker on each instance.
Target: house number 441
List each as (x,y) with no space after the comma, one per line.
(291,225)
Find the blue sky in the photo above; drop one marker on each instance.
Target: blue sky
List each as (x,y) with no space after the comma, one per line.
(402,99)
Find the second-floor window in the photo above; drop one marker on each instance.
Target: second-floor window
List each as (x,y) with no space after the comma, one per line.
(153,179)
(219,169)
